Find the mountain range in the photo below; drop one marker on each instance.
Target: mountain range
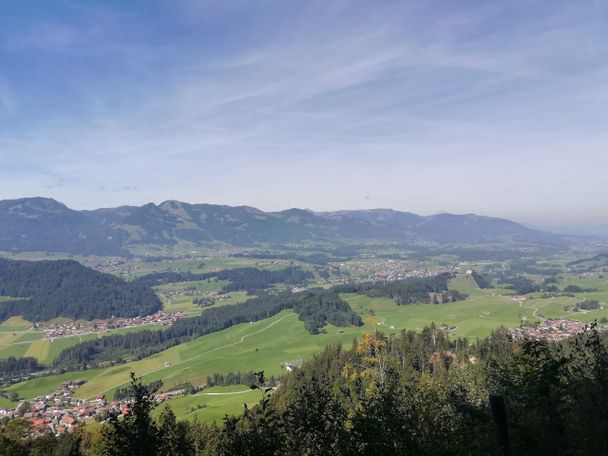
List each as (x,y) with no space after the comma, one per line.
(43,224)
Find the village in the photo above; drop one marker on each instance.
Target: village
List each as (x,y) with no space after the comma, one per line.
(389,270)
(59,330)
(553,330)
(60,411)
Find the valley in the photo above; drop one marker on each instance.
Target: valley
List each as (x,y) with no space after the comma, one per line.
(282,340)
(179,312)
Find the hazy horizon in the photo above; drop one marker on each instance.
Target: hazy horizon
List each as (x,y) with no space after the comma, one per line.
(573,228)
(493,108)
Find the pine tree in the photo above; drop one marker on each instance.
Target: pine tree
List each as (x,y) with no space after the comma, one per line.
(135,434)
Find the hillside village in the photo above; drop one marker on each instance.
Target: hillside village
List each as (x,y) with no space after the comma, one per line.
(60,411)
(59,330)
(550,329)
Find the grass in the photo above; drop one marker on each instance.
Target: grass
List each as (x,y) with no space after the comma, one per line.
(266,344)
(44,385)
(6,404)
(39,349)
(16,335)
(15,324)
(475,317)
(212,404)
(194,266)
(197,285)
(30,343)
(185,304)
(260,346)
(16,350)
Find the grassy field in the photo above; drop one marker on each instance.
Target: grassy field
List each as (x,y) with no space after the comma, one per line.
(197,266)
(16,335)
(212,404)
(15,324)
(266,344)
(19,342)
(183,303)
(5,403)
(260,346)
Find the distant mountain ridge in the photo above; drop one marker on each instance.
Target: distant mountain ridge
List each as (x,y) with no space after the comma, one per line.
(43,224)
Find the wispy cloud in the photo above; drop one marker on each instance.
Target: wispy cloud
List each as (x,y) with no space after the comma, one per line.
(323,106)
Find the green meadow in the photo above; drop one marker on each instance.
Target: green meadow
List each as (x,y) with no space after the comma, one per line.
(183,302)
(266,344)
(197,266)
(262,345)
(20,342)
(477,316)
(212,404)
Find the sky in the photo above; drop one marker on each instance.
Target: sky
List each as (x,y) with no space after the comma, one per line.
(490,107)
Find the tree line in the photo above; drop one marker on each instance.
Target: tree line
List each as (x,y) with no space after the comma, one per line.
(15,367)
(127,391)
(411,393)
(248,279)
(414,290)
(237,378)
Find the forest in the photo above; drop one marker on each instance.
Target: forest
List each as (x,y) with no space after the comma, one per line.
(415,290)
(14,367)
(412,393)
(237,378)
(64,288)
(241,279)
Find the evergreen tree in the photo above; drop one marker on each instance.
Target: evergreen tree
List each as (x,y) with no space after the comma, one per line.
(136,433)
(174,437)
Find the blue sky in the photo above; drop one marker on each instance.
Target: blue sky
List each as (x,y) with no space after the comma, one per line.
(498,108)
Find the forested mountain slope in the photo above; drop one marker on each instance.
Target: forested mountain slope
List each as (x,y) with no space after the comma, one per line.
(65,288)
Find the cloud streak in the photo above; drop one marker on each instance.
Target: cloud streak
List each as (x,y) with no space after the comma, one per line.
(492,109)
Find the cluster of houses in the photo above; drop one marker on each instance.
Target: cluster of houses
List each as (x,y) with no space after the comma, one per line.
(56,331)
(554,330)
(60,411)
(114,265)
(56,412)
(390,270)
(275,262)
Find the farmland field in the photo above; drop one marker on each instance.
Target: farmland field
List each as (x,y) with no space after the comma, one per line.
(212,404)
(260,346)
(195,266)
(30,343)
(15,324)
(266,344)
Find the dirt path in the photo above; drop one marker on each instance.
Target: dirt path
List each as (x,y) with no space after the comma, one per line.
(228,393)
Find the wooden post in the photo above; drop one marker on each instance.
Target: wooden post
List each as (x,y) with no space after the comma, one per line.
(499,416)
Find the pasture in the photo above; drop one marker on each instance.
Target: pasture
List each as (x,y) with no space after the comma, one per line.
(263,345)
(266,344)
(212,404)
(196,266)
(29,342)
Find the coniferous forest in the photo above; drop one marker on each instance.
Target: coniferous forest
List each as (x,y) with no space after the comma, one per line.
(416,393)
(44,290)
(241,279)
